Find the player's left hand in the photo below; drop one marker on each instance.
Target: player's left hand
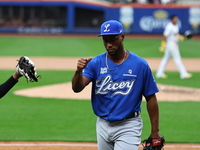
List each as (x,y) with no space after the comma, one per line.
(154,143)
(155,134)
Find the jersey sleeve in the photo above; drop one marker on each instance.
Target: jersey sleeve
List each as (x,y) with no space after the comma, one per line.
(89,70)
(149,86)
(167,31)
(6,86)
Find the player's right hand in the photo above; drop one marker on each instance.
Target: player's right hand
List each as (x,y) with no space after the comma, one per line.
(82,63)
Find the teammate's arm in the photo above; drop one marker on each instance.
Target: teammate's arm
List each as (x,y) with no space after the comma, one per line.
(164,38)
(6,86)
(152,108)
(78,80)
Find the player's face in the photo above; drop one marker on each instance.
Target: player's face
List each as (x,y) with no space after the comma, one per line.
(175,20)
(113,43)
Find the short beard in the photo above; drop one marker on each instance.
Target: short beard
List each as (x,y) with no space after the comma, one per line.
(117,51)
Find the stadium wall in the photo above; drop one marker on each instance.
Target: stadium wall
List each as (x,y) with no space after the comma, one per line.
(65,16)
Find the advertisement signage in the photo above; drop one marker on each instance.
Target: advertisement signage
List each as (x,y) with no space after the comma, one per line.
(154,20)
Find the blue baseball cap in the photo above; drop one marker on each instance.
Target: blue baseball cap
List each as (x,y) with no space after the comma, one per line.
(111,27)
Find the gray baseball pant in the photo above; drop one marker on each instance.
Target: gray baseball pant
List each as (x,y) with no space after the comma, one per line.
(119,135)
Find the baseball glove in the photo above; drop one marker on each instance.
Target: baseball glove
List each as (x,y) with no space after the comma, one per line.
(154,143)
(26,68)
(189,34)
(162,46)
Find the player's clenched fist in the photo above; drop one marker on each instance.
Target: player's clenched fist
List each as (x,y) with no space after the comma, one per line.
(82,63)
(78,80)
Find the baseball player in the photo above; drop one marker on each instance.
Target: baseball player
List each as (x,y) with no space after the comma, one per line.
(171,39)
(119,80)
(22,69)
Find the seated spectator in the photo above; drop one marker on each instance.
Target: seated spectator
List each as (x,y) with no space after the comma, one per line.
(168,1)
(132,1)
(154,1)
(142,1)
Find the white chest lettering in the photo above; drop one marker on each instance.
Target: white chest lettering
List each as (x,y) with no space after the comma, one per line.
(106,85)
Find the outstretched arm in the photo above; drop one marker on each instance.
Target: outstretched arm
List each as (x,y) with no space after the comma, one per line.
(6,86)
(78,80)
(25,67)
(153,110)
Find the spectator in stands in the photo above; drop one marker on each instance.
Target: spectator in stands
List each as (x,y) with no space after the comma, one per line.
(168,1)
(122,1)
(142,1)
(132,1)
(154,1)
(161,1)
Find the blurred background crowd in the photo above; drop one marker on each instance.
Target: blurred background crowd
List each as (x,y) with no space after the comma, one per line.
(62,15)
(142,1)
(155,1)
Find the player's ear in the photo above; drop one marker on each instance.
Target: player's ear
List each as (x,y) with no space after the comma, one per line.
(123,37)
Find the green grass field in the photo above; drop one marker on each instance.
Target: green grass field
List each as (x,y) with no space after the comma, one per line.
(66,46)
(40,119)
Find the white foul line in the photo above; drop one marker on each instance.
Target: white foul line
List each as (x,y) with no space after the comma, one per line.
(48,144)
(87,145)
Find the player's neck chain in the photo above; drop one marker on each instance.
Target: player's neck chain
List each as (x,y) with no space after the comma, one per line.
(119,63)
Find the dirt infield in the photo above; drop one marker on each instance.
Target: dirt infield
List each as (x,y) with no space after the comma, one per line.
(167,92)
(69,63)
(77,146)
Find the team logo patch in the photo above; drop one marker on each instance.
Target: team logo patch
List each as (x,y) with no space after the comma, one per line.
(103,70)
(156,142)
(130,74)
(106,28)
(130,71)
